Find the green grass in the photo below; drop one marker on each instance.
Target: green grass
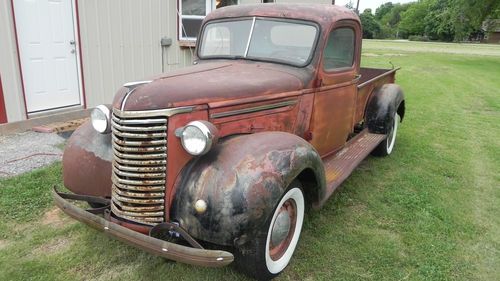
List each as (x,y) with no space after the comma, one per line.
(430,211)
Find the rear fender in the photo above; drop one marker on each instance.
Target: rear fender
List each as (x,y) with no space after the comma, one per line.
(384,102)
(241,180)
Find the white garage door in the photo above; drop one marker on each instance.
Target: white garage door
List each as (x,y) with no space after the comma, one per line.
(46,39)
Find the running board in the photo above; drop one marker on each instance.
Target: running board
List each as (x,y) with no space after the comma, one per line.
(341,164)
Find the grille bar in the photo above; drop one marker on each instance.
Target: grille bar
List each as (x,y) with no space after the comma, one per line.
(138,188)
(141,163)
(139,167)
(138,136)
(138,143)
(139,149)
(138,175)
(138,129)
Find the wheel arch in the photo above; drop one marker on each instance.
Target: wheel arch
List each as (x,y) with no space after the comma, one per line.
(384,102)
(311,183)
(241,180)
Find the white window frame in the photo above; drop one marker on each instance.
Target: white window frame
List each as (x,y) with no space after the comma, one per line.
(210,5)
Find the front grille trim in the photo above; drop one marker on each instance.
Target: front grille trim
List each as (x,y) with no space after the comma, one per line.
(139,145)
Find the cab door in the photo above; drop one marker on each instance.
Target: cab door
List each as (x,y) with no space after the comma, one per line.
(335,99)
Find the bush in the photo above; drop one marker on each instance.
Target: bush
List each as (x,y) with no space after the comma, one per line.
(418,38)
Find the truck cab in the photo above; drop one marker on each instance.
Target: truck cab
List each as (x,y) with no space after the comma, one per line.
(273,115)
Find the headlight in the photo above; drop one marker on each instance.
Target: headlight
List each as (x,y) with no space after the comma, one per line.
(198,137)
(100,119)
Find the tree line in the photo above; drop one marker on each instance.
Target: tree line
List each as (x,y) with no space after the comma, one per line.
(442,20)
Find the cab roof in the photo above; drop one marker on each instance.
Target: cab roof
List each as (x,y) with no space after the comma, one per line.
(322,14)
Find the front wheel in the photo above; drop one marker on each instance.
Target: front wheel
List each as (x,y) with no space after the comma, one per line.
(387,145)
(267,255)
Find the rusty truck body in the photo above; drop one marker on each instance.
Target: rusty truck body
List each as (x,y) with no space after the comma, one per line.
(217,162)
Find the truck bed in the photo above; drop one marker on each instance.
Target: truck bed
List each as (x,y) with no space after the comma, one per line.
(370,79)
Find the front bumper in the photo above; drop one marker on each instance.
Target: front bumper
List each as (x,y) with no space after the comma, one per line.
(169,250)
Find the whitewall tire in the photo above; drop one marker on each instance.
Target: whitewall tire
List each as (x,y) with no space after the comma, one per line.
(270,251)
(387,145)
(278,256)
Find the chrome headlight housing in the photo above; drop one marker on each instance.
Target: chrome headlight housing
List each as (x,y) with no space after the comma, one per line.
(100,118)
(198,137)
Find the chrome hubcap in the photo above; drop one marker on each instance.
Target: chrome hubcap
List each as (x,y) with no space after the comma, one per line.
(281,228)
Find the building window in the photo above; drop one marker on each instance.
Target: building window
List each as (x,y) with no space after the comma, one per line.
(192,13)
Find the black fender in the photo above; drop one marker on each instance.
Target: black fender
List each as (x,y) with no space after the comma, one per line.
(241,180)
(384,102)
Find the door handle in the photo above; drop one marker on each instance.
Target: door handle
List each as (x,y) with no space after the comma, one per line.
(72,51)
(72,42)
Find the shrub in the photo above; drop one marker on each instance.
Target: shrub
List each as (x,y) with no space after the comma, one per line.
(418,38)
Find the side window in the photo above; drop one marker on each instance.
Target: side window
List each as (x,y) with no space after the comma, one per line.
(339,51)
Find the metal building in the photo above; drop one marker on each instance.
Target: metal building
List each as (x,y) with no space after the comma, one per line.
(65,55)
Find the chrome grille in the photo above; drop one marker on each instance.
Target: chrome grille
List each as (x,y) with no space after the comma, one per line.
(139,167)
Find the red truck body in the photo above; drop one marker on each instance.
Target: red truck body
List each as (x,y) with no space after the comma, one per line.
(275,125)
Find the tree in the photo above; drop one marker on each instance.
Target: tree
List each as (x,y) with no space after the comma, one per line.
(412,20)
(371,28)
(349,5)
(468,15)
(438,24)
(443,20)
(384,9)
(389,22)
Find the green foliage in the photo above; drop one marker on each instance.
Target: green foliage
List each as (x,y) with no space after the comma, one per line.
(443,20)
(468,16)
(390,21)
(438,25)
(349,5)
(384,9)
(412,20)
(418,38)
(371,28)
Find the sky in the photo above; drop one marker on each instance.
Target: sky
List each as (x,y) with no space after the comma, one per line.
(372,4)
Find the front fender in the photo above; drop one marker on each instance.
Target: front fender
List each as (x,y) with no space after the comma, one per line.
(87,162)
(241,179)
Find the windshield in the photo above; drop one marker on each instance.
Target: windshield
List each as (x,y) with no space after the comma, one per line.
(259,39)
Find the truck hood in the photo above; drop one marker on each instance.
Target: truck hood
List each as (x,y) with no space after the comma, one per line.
(212,82)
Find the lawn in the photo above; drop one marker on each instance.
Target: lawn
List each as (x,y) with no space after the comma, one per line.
(430,211)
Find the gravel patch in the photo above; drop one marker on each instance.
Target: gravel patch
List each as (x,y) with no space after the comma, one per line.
(23,152)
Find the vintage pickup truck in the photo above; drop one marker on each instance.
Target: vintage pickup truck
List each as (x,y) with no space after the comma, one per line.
(218,162)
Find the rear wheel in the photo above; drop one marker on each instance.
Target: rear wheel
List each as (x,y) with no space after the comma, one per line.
(387,145)
(268,255)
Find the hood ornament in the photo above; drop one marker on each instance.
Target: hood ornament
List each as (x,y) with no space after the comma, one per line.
(131,86)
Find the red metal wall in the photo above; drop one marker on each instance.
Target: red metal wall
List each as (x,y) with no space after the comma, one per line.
(3,113)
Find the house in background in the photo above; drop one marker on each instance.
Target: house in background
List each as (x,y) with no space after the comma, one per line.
(67,55)
(491,30)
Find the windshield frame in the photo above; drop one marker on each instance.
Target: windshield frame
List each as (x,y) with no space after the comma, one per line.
(263,59)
